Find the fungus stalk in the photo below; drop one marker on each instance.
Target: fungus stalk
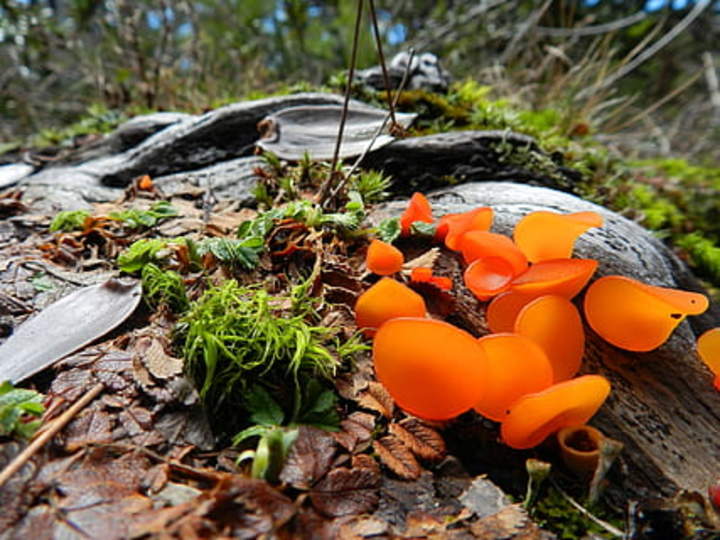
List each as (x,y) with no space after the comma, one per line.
(537,471)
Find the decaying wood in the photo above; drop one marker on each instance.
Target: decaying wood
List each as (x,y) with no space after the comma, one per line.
(663,406)
(312,129)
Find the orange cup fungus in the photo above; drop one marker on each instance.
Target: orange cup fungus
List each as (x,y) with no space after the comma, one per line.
(452,226)
(516,366)
(563,277)
(386,300)
(580,448)
(488,277)
(708,348)
(534,417)
(383,259)
(542,236)
(431,368)
(480,244)
(418,210)
(636,316)
(554,323)
(503,310)
(422,274)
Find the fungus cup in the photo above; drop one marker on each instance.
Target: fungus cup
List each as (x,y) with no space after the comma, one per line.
(488,277)
(563,277)
(383,259)
(580,448)
(432,369)
(708,348)
(418,209)
(386,300)
(516,366)
(542,236)
(554,323)
(451,227)
(636,316)
(480,244)
(503,310)
(534,417)
(424,275)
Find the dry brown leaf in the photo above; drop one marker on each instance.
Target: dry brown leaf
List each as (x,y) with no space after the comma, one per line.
(511,523)
(356,431)
(422,440)
(345,492)
(364,461)
(377,399)
(309,459)
(426,260)
(160,364)
(397,457)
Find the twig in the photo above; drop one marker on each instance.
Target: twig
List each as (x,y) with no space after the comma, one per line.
(580,508)
(712,79)
(593,30)
(377,133)
(325,187)
(650,51)
(386,80)
(519,37)
(55,426)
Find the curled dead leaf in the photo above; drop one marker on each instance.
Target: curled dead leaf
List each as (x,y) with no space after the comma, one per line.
(378,399)
(310,458)
(422,440)
(397,457)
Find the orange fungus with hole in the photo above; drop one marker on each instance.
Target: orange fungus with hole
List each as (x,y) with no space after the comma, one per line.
(636,316)
(554,323)
(542,236)
(383,259)
(564,277)
(431,368)
(488,277)
(516,366)
(708,348)
(534,417)
(386,300)
(451,227)
(480,244)
(418,209)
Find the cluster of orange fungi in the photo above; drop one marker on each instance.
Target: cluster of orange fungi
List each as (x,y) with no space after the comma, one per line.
(522,374)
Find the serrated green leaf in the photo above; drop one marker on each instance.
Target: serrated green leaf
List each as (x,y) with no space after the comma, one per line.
(69,220)
(263,409)
(389,230)
(422,228)
(15,406)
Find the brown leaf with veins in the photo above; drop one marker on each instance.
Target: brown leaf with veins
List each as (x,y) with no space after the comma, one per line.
(397,457)
(422,440)
(377,399)
(346,491)
(309,459)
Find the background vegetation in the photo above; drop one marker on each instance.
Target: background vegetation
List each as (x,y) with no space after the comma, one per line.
(641,72)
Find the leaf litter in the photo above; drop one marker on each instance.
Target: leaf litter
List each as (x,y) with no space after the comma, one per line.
(142,459)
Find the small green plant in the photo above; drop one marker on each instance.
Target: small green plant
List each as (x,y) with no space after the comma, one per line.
(69,220)
(164,287)
(244,252)
(389,230)
(18,407)
(276,429)
(139,219)
(142,252)
(704,252)
(372,186)
(234,336)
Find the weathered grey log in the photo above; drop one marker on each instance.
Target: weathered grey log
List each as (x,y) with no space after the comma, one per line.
(232,179)
(12,174)
(127,135)
(663,406)
(469,156)
(219,135)
(313,130)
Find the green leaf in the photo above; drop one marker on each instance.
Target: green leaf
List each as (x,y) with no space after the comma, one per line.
(263,408)
(422,228)
(389,230)
(69,220)
(16,406)
(248,433)
(142,252)
(138,219)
